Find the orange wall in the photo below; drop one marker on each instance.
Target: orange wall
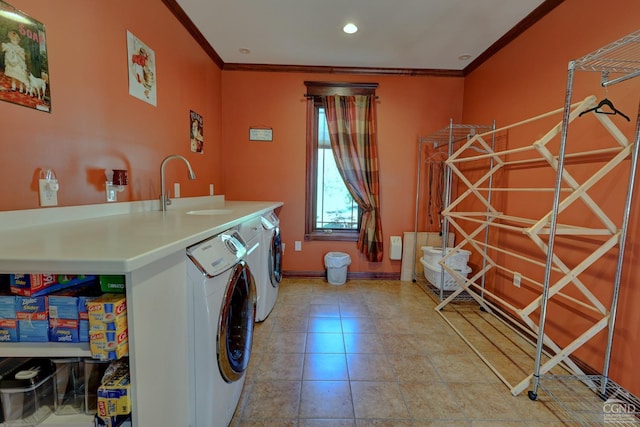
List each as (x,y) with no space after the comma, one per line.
(408,107)
(94,123)
(528,78)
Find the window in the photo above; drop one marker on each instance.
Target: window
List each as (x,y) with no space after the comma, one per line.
(331,212)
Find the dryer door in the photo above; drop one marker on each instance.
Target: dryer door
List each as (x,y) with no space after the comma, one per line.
(275,258)
(235,326)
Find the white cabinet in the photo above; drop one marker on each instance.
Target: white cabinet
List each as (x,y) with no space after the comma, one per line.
(148,247)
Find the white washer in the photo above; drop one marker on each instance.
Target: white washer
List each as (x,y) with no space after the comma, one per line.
(222,302)
(271,275)
(251,233)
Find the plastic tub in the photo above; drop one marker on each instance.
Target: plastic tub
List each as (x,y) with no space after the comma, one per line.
(27,396)
(68,386)
(93,372)
(433,273)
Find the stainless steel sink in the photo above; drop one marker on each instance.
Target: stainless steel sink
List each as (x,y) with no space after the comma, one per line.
(211,212)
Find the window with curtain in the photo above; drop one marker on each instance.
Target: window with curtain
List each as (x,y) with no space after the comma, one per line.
(342,166)
(335,211)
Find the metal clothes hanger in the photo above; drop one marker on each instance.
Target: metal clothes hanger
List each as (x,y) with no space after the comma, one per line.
(607,103)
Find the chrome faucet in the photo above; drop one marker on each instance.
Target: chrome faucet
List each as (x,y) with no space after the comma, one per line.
(164,198)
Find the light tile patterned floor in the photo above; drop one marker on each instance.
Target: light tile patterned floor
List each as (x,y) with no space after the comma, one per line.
(372,353)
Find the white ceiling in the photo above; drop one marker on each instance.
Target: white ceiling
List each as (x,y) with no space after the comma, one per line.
(415,34)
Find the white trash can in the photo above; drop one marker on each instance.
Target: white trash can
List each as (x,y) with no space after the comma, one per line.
(337,263)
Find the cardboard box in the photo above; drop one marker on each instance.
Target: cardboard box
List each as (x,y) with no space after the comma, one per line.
(107,313)
(83,314)
(43,284)
(114,396)
(109,345)
(108,329)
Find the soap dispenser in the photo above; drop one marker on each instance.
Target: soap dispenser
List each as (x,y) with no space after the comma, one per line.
(48,185)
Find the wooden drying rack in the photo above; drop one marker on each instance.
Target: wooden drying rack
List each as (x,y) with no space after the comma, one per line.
(535,229)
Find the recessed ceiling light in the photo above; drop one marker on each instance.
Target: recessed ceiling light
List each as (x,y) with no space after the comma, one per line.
(350,28)
(464,57)
(244,51)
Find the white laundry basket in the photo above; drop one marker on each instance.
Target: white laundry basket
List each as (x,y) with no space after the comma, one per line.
(458,260)
(337,264)
(433,273)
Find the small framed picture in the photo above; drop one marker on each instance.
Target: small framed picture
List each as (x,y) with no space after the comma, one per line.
(261,134)
(24,77)
(142,70)
(196,133)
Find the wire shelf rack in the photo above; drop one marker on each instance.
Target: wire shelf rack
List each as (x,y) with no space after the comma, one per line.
(581,399)
(454,133)
(438,293)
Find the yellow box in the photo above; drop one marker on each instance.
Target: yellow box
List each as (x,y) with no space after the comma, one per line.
(108,345)
(114,396)
(107,312)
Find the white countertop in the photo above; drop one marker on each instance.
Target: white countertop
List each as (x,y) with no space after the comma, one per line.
(111,238)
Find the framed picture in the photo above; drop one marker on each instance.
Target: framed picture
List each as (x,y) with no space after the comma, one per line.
(24,74)
(261,134)
(196,132)
(142,70)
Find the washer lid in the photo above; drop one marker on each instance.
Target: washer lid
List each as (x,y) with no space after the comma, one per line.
(217,254)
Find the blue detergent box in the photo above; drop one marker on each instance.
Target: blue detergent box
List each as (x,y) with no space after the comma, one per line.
(8,330)
(33,330)
(68,318)
(8,307)
(33,319)
(8,322)
(64,330)
(63,307)
(83,331)
(44,284)
(64,318)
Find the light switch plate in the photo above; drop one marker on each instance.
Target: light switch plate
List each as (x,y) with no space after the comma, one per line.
(517,278)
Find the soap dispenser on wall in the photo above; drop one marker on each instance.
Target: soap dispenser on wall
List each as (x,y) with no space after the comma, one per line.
(116,180)
(48,184)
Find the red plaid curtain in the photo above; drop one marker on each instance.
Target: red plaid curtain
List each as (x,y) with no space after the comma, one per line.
(354,142)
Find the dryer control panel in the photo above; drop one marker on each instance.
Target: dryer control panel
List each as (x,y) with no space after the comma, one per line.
(217,254)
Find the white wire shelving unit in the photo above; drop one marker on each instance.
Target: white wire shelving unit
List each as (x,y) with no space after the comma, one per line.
(616,62)
(539,269)
(444,141)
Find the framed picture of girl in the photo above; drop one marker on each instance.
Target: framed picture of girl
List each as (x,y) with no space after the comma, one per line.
(196,133)
(142,70)
(24,66)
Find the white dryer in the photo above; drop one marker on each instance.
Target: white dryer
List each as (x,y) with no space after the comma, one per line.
(222,303)
(251,233)
(271,275)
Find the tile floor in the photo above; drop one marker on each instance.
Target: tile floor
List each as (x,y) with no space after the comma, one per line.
(372,353)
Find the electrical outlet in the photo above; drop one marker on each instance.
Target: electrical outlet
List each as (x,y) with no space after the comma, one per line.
(517,278)
(297,245)
(48,197)
(176,190)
